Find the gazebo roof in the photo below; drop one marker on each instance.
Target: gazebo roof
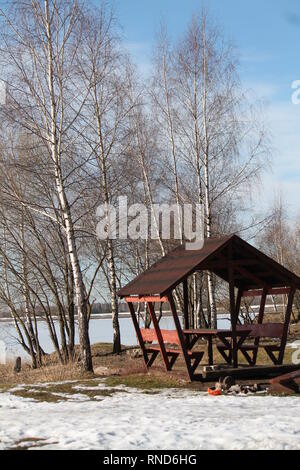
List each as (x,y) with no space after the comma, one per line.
(252,268)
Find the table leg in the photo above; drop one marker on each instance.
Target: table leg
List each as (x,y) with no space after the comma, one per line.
(210,351)
(234,353)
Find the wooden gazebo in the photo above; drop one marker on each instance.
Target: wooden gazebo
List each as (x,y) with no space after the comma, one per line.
(248,272)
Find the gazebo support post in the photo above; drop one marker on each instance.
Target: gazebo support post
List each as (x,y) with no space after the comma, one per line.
(138,333)
(288,314)
(159,336)
(238,304)
(260,321)
(233,316)
(181,337)
(186,304)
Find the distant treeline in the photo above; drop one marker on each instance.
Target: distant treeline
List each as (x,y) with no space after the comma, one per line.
(97,309)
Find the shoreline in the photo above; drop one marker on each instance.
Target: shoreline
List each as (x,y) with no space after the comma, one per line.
(108,316)
(166,314)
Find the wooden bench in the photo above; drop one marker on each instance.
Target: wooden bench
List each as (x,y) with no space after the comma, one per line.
(169,339)
(270,331)
(266,331)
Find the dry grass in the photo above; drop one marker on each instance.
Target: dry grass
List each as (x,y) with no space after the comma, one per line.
(295,330)
(29,443)
(49,373)
(54,371)
(115,365)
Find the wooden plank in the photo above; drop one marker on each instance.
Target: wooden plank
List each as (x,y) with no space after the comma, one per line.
(255,372)
(268,330)
(287,383)
(155,299)
(279,291)
(148,335)
(290,376)
(287,388)
(199,332)
(273,291)
(169,336)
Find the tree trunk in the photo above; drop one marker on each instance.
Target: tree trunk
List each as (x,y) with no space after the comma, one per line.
(85,348)
(211,294)
(114,300)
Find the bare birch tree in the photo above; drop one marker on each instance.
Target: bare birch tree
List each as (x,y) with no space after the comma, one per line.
(104,69)
(40,42)
(202,112)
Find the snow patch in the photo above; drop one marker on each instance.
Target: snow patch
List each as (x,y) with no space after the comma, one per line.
(178,419)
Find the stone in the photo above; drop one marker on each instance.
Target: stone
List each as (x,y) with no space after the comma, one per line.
(106,371)
(18,365)
(101,371)
(134,353)
(236,389)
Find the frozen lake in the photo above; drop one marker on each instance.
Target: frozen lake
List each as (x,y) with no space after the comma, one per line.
(100,332)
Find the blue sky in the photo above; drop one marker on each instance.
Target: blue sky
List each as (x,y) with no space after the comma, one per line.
(267,36)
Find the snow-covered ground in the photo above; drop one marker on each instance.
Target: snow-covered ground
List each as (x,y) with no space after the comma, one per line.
(169,419)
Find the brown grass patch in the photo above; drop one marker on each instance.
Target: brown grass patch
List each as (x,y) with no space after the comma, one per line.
(50,373)
(60,392)
(29,443)
(122,365)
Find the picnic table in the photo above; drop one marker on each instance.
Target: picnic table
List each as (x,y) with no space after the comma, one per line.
(225,336)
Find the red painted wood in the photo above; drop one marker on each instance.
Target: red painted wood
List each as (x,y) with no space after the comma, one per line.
(169,336)
(148,335)
(146,299)
(192,354)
